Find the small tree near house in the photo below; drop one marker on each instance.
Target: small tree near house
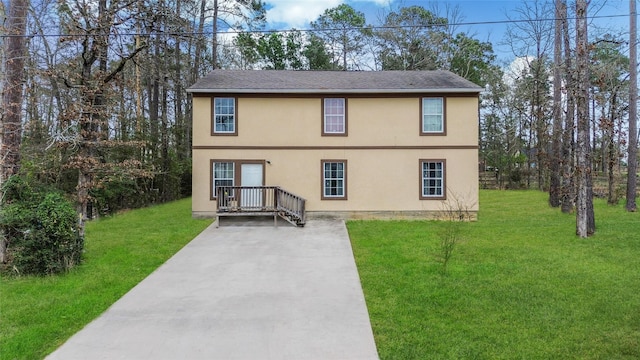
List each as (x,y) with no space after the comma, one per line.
(455,211)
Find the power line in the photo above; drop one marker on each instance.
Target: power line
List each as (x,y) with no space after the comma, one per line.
(377,27)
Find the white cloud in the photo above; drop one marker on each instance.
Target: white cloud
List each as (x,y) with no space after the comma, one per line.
(514,71)
(376,2)
(298,14)
(225,37)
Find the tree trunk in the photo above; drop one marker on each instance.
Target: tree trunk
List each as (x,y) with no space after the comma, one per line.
(138,90)
(164,120)
(179,116)
(530,157)
(12,98)
(99,106)
(585,221)
(10,118)
(199,51)
(632,158)
(537,112)
(82,191)
(214,42)
(345,44)
(554,185)
(612,155)
(593,126)
(122,121)
(154,101)
(568,144)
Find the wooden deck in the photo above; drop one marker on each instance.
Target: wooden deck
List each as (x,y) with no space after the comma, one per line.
(260,201)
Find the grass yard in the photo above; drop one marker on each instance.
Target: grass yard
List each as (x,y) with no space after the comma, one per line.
(37,314)
(520,284)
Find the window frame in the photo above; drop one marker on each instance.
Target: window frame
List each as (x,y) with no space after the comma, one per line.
(323,179)
(214,132)
(344,117)
(212,169)
(421,179)
(237,170)
(443,115)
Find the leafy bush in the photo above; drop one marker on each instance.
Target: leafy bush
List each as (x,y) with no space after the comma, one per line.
(119,194)
(41,227)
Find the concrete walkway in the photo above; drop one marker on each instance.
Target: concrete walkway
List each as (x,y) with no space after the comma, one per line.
(238,292)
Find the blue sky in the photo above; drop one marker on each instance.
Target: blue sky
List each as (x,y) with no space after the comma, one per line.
(285,14)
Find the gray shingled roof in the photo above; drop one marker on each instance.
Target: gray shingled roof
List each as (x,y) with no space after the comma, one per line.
(290,82)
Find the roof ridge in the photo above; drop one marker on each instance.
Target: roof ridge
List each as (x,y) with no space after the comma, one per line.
(325,81)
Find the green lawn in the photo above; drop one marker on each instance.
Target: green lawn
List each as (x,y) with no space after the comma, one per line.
(520,285)
(37,314)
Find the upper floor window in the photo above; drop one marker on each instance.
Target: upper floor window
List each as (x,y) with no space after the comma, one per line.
(432,179)
(334,113)
(334,179)
(432,116)
(224,116)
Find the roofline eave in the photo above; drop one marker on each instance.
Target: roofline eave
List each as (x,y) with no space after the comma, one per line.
(338,91)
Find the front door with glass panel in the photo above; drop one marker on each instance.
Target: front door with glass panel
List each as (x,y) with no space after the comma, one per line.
(251,175)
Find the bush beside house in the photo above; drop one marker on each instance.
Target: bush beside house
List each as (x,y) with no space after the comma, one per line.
(41,228)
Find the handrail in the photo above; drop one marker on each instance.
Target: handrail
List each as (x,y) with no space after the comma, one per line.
(251,200)
(291,204)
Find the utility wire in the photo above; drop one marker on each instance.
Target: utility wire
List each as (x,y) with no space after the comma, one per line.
(377,27)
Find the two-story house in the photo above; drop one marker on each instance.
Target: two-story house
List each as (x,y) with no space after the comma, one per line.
(385,144)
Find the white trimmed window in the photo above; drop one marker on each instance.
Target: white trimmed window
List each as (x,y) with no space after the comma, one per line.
(334,179)
(223,175)
(335,118)
(432,179)
(433,115)
(224,115)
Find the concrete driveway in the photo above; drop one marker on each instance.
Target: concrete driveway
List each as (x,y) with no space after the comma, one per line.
(241,292)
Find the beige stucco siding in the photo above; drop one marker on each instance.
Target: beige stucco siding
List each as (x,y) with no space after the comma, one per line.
(370,121)
(382,150)
(377,180)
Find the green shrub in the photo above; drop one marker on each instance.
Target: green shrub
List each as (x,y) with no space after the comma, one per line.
(41,228)
(119,194)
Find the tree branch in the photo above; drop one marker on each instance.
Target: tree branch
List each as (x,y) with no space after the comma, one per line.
(122,63)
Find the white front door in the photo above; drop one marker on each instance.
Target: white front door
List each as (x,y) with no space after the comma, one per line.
(251,175)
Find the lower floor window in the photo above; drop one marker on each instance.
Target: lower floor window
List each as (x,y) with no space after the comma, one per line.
(223,175)
(432,179)
(234,173)
(334,179)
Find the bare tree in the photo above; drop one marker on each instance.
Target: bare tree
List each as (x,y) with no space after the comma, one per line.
(632,159)
(214,36)
(530,38)
(11,134)
(608,74)
(234,14)
(199,45)
(10,118)
(91,78)
(585,220)
(568,138)
(554,186)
